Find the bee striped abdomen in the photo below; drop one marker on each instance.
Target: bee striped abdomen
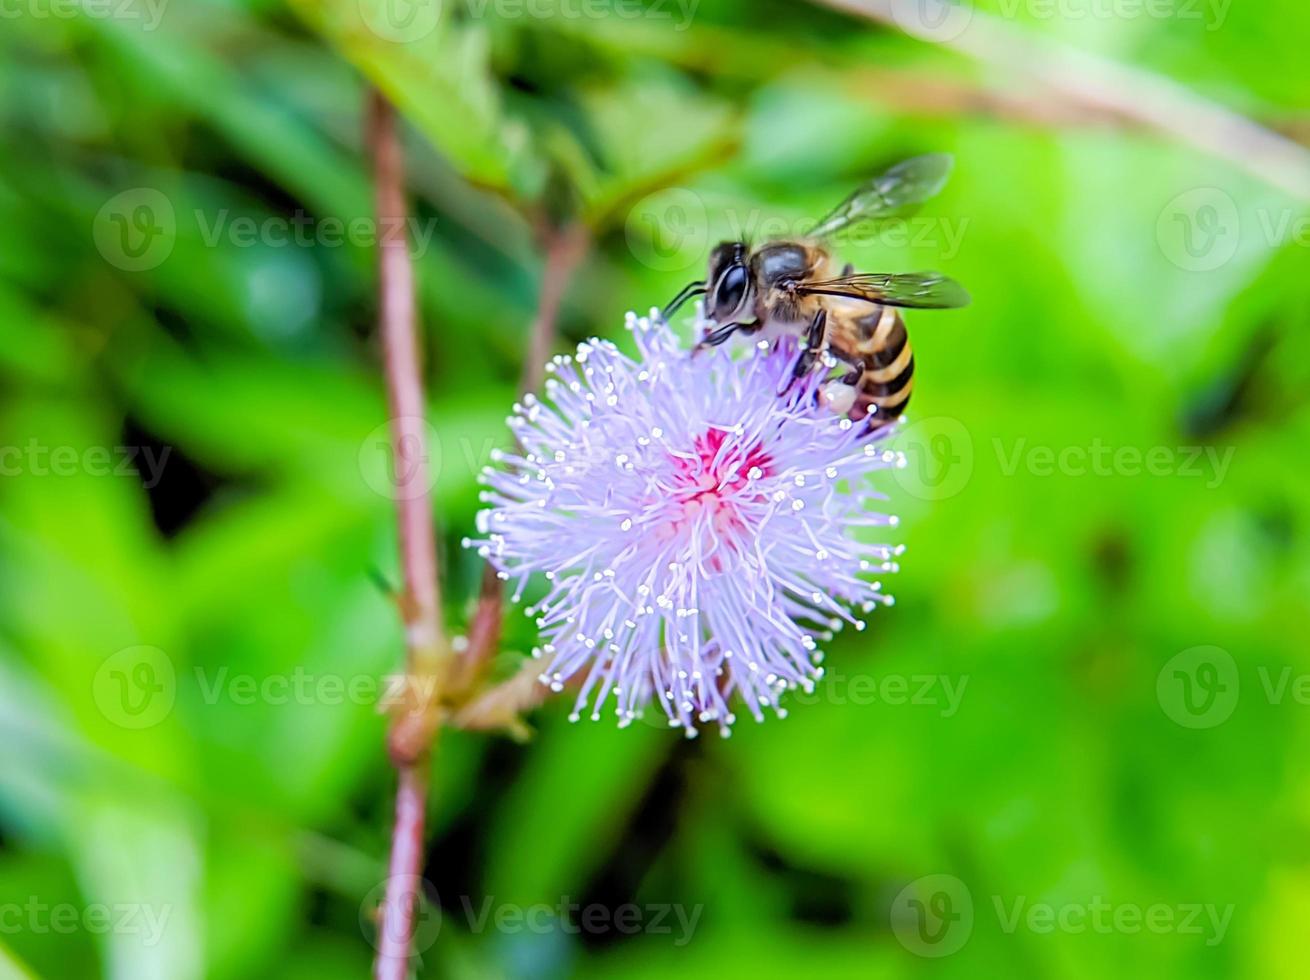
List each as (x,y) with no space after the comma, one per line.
(888,376)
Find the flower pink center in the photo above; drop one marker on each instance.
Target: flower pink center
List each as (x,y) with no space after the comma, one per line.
(716,474)
(711,483)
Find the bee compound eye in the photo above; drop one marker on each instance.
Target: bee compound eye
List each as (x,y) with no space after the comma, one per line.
(731,292)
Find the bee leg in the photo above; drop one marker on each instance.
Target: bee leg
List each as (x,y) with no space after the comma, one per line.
(838,396)
(816,339)
(848,271)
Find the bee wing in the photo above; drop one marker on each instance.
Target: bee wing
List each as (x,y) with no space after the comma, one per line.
(916,290)
(908,183)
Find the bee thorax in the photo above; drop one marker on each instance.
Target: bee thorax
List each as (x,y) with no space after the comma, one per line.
(776,328)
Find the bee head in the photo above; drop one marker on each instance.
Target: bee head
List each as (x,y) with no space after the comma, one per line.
(729,282)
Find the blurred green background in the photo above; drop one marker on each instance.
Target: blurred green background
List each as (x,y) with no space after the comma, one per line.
(1075,748)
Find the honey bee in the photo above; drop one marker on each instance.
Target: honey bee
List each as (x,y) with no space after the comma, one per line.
(845,319)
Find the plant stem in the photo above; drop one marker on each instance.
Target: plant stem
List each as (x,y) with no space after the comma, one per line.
(404,889)
(565,249)
(420,604)
(500,707)
(398,321)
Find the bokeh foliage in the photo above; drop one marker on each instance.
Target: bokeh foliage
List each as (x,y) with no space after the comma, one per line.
(1052,601)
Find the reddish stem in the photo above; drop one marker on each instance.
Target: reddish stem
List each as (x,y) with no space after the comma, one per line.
(404,881)
(401,361)
(421,594)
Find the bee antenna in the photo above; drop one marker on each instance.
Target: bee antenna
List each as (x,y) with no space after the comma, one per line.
(693,289)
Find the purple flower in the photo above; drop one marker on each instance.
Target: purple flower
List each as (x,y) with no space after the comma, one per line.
(698,521)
